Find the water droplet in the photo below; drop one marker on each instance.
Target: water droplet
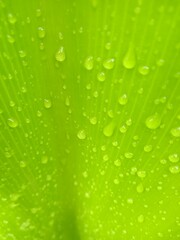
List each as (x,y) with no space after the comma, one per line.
(174,169)
(22,54)
(10,39)
(101,76)
(123,129)
(12,122)
(89,63)
(116,181)
(140,188)
(38,12)
(153,121)
(128,155)
(60,54)
(148,148)
(117,162)
(141,219)
(129,122)
(141,174)
(11,19)
(22,164)
(144,70)
(81,134)
(109,63)
(160,62)
(123,99)
(175,132)
(174,158)
(130,201)
(108,46)
(41,32)
(129,60)
(47,103)
(93,120)
(109,130)
(44,159)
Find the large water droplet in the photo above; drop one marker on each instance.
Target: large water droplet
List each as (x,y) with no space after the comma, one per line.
(12,122)
(60,54)
(81,134)
(109,129)
(89,63)
(153,121)
(109,63)
(129,60)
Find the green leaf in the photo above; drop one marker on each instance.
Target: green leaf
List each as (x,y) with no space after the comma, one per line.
(89,120)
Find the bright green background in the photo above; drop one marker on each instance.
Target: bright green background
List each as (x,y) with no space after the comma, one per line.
(54,185)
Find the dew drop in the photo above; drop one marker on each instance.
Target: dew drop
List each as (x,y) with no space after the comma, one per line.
(60,54)
(140,188)
(93,120)
(153,121)
(128,155)
(174,158)
(148,148)
(81,134)
(22,164)
(141,219)
(47,103)
(11,19)
(141,174)
(175,132)
(117,162)
(22,54)
(44,159)
(144,70)
(101,76)
(109,63)
(109,130)
(130,201)
(41,32)
(123,99)
(174,169)
(89,63)
(123,129)
(12,122)
(129,60)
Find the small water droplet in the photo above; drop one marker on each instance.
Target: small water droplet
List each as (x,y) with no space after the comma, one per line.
(153,121)
(175,132)
(93,120)
(22,54)
(10,39)
(22,164)
(160,62)
(141,174)
(89,63)
(12,122)
(123,99)
(11,18)
(144,70)
(123,129)
(130,201)
(109,63)
(174,169)
(101,76)
(141,219)
(140,188)
(47,103)
(117,162)
(148,148)
(109,130)
(116,181)
(81,134)
(128,155)
(41,32)
(129,60)
(60,54)
(44,159)
(174,158)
